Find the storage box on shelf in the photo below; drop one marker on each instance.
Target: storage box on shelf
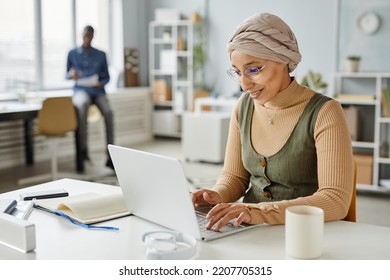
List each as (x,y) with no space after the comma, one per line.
(170,73)
(361,95)
(364,164)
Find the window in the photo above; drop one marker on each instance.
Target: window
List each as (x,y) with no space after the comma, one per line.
(26,67)
(57,40)
(17,49)
(93,12)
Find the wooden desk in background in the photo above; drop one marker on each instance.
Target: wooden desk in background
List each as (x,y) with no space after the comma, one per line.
(10,111)
(132,108)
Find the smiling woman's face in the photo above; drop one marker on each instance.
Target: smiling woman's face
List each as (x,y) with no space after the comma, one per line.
(267,83)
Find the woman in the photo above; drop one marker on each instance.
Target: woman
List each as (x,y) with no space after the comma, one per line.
(287,145)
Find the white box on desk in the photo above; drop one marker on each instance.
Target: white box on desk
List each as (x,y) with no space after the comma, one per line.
(204,136)
(16,233)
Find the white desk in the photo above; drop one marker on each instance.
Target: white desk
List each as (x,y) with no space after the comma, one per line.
(58,239)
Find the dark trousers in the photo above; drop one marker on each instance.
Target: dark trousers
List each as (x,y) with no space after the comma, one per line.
(82,100)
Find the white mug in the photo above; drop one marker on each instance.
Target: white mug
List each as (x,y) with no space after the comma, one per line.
(304,231)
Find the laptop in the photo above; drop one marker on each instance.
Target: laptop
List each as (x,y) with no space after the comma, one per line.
(155,189)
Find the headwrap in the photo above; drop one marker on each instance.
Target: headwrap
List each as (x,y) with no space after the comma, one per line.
(268,37)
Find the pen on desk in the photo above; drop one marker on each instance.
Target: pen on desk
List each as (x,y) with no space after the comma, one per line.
(28,210)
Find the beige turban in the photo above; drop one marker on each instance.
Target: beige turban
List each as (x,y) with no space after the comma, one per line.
(268,37)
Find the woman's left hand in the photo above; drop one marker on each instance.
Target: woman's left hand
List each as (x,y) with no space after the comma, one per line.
(223,213)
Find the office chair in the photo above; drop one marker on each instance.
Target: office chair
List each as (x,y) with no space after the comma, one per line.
(94,114)
(56,118)
(351,215)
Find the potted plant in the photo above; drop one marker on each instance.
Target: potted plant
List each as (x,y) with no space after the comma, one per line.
(199,51)
(352,63)
(314,81)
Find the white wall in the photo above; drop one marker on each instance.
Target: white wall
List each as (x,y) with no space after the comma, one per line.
(135,33)
(373,48)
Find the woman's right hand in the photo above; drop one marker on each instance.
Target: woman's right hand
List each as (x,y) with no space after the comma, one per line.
(205,197)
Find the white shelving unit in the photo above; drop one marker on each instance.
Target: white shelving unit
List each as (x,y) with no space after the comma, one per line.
(171,59)
(364,91)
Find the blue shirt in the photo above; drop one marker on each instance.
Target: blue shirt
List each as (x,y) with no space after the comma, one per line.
(88,62)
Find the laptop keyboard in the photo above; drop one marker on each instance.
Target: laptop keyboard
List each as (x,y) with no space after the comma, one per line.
(203,221)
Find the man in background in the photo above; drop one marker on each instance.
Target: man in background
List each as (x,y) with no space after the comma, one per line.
(87,66)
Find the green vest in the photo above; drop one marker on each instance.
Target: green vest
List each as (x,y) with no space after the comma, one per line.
(291,172)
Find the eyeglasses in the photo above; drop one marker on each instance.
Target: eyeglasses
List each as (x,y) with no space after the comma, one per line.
(252,73)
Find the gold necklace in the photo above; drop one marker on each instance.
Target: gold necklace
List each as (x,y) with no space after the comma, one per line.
(270,118)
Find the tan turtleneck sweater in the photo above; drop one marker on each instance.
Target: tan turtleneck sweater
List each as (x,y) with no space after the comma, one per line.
(334,153)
